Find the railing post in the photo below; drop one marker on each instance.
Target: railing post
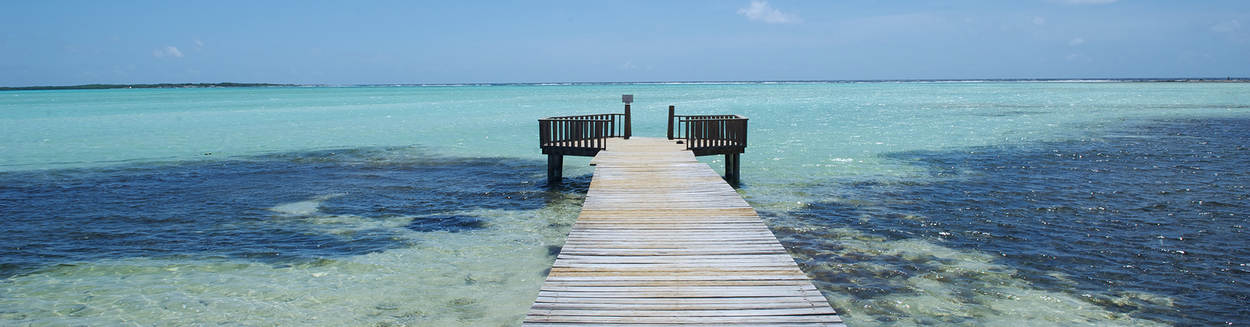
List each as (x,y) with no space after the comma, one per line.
(744,132)
(693,138)
(670,122)
(627,122)
(732,161)
(542,133)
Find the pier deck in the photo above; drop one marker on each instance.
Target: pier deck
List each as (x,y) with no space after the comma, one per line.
(662,239)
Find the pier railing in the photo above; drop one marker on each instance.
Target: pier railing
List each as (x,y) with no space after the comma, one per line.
(712,134)
(586,135)
(582,135)
(709,134)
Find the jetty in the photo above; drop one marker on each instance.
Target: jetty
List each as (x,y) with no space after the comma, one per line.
(662,239)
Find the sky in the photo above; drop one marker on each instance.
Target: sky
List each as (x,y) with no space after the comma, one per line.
(386,42)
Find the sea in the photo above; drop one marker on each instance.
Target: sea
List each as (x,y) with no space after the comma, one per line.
(1038,203)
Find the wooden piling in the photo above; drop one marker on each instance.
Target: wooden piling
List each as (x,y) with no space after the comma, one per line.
(732,164)
(555,168)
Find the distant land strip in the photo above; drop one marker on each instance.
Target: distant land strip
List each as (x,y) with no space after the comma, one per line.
(228,84)
(140,86)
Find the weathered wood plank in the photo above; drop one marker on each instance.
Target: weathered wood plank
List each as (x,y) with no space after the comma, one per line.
(683,312)
(674,269)
(552,285)
(561,278)
(690,325)
(674,306)
(808,300)
(678,320)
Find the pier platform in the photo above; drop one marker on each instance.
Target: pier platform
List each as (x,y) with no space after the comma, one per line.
(661,240)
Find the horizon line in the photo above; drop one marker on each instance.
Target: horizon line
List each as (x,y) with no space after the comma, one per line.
(570,83)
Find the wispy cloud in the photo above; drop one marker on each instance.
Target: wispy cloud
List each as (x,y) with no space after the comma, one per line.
(1076,41)
(760,11)
(167,51)
(1232,30)
(1085,2)
(1226,27)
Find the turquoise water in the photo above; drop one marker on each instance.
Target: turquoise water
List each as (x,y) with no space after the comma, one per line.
(425,205)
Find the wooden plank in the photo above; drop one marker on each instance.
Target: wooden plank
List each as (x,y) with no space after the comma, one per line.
(682,312)
(673,306)
(685,271)
(690,325)
(663,240)
(808,300)
(554,279)
(552,285)
(830,318)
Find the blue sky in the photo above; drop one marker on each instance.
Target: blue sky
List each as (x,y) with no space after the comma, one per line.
(364,42)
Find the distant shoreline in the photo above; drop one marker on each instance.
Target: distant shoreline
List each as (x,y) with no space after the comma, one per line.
(230,84)
(140,86)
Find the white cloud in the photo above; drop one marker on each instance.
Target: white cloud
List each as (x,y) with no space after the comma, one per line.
(167,51)
(760,11)
(1039,20)
(1085,2)
(199,44)
(1076,41)
(1227,27)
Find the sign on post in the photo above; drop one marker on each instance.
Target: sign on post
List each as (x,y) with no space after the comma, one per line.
(627,98)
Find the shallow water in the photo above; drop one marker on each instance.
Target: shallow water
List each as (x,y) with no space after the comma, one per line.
(1148,226)
(357,201)
(909,203)
(353,236)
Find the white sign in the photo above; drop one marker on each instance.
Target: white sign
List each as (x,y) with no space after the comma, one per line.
(627,98)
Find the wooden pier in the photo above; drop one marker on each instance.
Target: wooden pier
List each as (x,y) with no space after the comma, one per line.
(662,239)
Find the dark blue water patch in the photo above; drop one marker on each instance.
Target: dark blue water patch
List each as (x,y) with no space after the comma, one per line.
(224,208)
(452,223)
(1161,209)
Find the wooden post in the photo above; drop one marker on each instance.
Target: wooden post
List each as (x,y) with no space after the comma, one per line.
(732,165)
(555,168)
(627,119)
(670,122)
